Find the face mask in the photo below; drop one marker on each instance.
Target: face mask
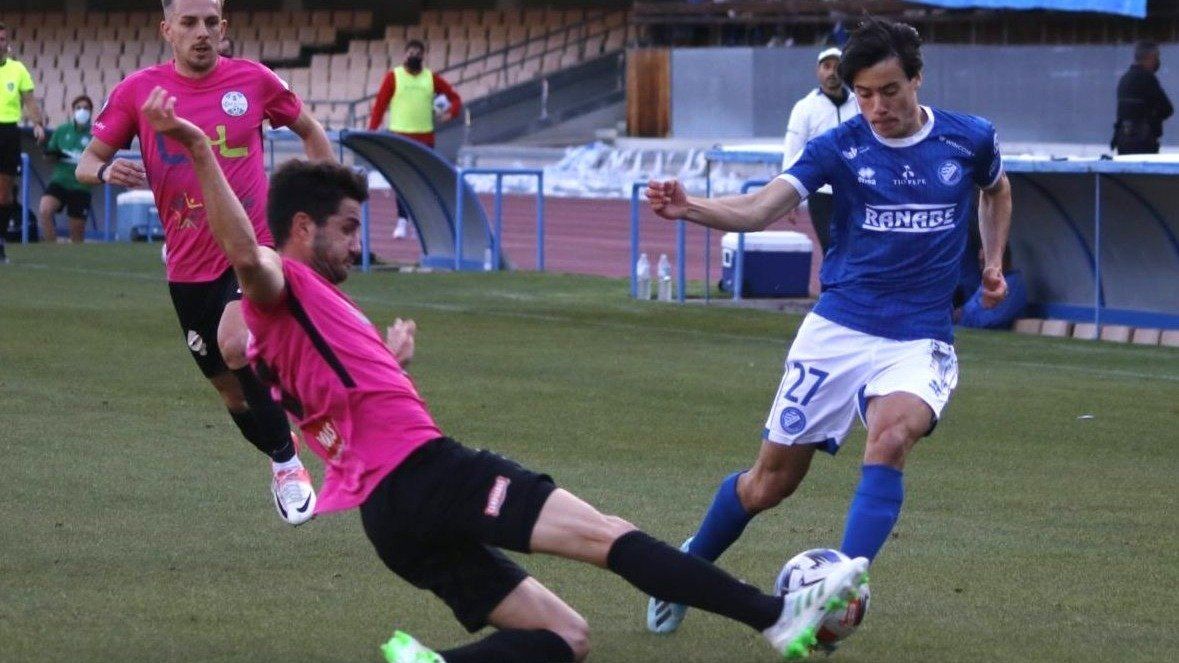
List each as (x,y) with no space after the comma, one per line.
(82,116)
(413,62)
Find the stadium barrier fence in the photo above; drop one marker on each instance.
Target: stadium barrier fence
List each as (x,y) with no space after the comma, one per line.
(496,235)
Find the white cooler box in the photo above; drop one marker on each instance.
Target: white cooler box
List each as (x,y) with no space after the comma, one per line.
(777,263)
(133,210)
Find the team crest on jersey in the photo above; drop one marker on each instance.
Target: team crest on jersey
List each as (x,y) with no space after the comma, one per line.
(11,86)
(234,103)
(949,172)
(866,175)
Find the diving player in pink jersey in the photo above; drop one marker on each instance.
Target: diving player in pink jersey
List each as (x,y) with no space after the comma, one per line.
(229,98)
(435,511)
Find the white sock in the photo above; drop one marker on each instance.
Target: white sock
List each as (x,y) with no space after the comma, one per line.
(293,464)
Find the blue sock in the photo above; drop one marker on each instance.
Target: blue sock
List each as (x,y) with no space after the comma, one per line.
(723,523)
(873,511)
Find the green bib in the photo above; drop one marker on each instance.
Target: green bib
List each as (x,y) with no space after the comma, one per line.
(412,108)
(71,142)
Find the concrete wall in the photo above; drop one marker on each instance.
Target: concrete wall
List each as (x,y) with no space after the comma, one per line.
(1032,93)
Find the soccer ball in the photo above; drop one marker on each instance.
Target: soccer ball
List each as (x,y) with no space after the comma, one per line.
(441,106)
(809,567)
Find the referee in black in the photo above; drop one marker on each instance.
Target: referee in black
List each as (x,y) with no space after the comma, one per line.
(16,91)
(1142,104)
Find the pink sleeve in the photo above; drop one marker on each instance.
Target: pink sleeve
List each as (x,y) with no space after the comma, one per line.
(117,122)
(282,105)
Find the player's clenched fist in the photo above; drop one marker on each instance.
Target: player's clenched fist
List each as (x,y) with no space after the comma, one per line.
(994,287)
(667,199)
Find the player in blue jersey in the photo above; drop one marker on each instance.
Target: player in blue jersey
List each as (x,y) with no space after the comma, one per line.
(878,342)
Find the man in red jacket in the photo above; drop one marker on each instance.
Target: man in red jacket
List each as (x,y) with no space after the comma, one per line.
(408,92)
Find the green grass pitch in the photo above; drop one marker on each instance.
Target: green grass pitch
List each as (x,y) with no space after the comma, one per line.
(136,524)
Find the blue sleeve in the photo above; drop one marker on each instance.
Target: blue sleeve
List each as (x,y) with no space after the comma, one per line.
(988,162)
(810,171)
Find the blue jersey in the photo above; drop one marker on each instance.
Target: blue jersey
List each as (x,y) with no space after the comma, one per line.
(900,220)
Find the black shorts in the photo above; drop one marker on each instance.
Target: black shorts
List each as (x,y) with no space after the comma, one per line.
(438,518)
(76,202)
(199,307)
(9,149)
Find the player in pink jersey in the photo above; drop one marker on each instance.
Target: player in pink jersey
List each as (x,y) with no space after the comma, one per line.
(437,512)
(229,98)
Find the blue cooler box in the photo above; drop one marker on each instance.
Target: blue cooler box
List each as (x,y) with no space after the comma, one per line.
(777,263)
(135,211)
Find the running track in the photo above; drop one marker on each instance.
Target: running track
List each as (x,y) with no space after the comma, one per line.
(582,236)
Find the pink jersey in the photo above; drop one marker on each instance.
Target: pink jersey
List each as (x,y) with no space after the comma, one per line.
(229,104)
(357,408)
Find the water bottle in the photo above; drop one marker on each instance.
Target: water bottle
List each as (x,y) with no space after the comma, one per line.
(643,277)
(488,261)
(664,272)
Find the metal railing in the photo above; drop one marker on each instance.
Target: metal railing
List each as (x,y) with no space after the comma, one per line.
(739,254)
(681,242)
(496,235)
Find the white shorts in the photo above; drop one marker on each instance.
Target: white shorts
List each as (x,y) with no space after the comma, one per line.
(832,371)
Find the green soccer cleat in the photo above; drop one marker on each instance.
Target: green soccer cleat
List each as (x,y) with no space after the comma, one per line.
(402,648)
(794,636)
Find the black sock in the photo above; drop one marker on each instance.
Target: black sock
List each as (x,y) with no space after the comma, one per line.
(247,423)
(512,646)
(672,575)
(271,433)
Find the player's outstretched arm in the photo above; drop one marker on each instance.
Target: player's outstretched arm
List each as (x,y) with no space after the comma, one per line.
(258,268)
(994,223)
(744,213)
(315,140)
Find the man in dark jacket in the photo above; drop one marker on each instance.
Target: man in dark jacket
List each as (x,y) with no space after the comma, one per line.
(1142,104)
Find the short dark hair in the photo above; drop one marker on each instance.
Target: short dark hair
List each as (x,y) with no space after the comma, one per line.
(82,97)
(415,42)
(876,40)
(315,188)
(1144,49)
(167,4)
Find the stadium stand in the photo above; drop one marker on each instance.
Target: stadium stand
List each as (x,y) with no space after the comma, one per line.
(333,58)
(758,23)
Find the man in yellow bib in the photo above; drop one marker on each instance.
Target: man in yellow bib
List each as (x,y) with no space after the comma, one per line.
(16,90)
(407,93)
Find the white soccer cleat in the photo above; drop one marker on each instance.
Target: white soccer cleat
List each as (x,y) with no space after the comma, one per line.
(664,617)
(794,634)
(294,497)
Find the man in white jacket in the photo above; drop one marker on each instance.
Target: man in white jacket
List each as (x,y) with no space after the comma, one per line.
(823,108)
